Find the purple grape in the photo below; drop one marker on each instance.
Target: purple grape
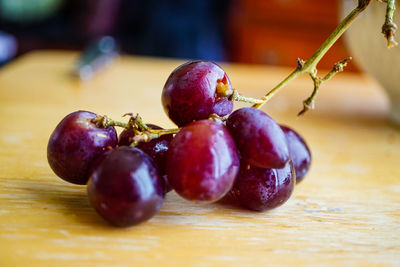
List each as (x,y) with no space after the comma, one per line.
(156,149)
(98,160)
(74,145)
(190,92)
(260,140)
(262,189)
(202,161)
(126,189)
(299,152)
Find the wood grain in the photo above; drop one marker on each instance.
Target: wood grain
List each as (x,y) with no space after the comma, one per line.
(346,212)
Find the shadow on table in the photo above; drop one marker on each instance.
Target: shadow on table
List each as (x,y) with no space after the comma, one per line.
(69,201)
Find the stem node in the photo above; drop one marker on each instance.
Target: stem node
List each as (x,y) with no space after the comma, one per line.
(389,27)
(300,64)
(309,103)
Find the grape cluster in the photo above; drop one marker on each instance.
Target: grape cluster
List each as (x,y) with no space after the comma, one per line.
(216,152)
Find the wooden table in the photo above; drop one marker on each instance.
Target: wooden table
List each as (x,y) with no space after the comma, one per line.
(347,211)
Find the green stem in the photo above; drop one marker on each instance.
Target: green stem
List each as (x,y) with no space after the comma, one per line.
(277,88)
(237,97)
(309,102)
(142,132)
(151,134)
(119,124)
(105,122)
(310,65)
(137,120)
(160,132)
(215,117)
(338,67)
(389,28)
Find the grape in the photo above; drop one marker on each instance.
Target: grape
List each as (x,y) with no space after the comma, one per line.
(156,149)
(190,92)
(74,145)
(260,140)
(299,152)
(202,161)
(98,160)
(126,188)
(247,154)
(262,189)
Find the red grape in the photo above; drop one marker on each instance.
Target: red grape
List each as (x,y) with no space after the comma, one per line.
(126,188)
(263,189)
(98,160)
(247,154)
(299,152)
(156,149)
(202,161)
(190,92)
(74,145)
(260,140)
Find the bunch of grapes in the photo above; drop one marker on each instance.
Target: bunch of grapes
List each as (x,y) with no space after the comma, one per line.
(215,152)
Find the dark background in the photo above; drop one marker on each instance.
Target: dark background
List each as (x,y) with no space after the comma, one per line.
(273,32)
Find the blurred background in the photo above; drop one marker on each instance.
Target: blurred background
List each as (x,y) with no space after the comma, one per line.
(273,32)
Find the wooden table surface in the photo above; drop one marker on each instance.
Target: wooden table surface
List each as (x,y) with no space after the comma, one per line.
(347,211)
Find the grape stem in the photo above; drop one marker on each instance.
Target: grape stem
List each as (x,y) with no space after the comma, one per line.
(237,97)
(309,102)
(310,66)
(143,133)
(389,27)
(105,122)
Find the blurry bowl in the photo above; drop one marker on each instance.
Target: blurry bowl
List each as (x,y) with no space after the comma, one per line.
(369,49)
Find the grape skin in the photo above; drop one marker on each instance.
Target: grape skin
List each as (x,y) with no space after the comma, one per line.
(74,145)
(202,161)
(299,152)
(125,188)
(190,92)
(156,148)
(262,189)
(260,140)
